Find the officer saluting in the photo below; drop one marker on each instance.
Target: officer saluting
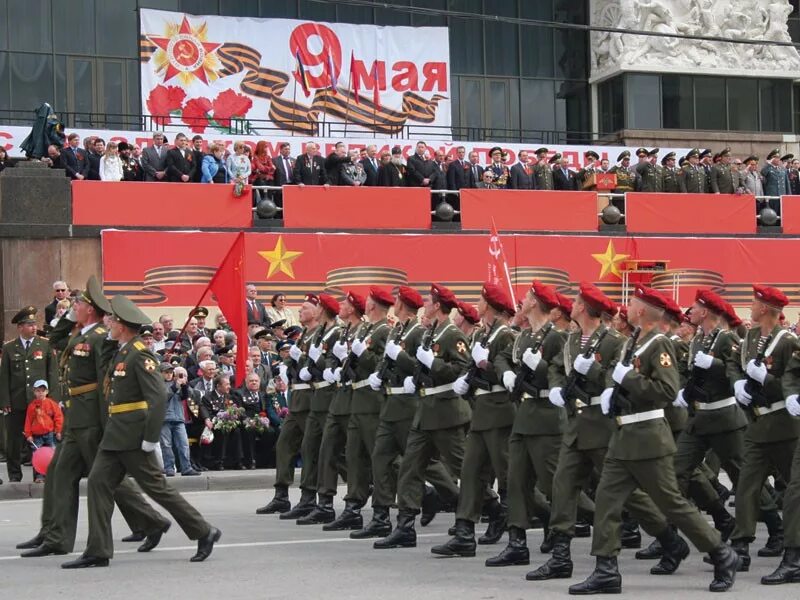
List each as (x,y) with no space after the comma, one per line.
(542,172)
(136,408)
(671,174)
(776,179)
(693,177)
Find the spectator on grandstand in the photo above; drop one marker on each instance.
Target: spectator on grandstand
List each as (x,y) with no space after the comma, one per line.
(167,322)
(419,167)
(262,170)
(159,339)
(213,169)
(88,143)
(487,181)
(370,164)
(54,160)
(75,161)
(111,164)
(60,292)
(309,168)
(278,311)
(197,157)
(180,164)
(98,150)
(393,173)
(439,178)
(351,172)
(154,159)
(131,167)
(284,165)
(460,173)
(334,163)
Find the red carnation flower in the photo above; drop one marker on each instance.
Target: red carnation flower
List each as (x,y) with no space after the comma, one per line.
(230,104)
(195,114)
(163,100)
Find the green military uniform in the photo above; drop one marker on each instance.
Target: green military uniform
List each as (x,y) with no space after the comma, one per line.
(626,179)
(771,438)
(722,179)
(791,497)
(671,177)
(20,367)
(583,176)
(543,175)
(649,178)
(693,179)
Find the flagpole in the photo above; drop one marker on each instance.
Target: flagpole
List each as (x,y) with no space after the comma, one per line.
(349,83)
(505,263)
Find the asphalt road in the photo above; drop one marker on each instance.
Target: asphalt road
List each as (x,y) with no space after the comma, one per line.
(262,557)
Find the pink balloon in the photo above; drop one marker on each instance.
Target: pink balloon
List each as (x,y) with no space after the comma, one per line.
(42,457)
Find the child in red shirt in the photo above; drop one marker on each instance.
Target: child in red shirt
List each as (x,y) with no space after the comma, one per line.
(43,421)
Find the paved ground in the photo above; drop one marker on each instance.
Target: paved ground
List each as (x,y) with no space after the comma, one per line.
(262,557)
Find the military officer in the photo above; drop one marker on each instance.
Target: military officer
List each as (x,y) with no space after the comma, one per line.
(771,437)
(26,359)
(136,408)
(81,338)
(498,167)
(542,172)
(671,174)
(492,417)
(290,438)
(640,453)
(722,179)
(467,320)
(650,174)
(776,179)
(439,424)
(626,178)
(586,174)
(706,163)
(693,177)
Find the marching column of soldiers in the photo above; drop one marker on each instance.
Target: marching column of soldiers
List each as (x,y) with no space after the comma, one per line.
(574,421)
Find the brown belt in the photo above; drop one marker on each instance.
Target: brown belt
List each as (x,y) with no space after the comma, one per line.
(82,389)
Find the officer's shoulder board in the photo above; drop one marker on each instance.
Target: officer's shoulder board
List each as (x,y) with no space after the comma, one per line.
(139,345)
(100,330)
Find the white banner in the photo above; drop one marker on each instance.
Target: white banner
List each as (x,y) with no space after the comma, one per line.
(11,137)
(203,71)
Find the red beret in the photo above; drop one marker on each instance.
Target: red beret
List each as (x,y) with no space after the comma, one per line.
(672,309)
(381,295)
(565,304)
(730,315)
(410,297)
(329,303)
(653,297)
(468,312)
(594,297)
(711,300)
(771,296)
(497,298)
(443,296)
(357,301)
(546,294)
(312,299)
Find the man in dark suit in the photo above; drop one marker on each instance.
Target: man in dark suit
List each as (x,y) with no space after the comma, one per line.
(256,313)
(197,157)
(521,174)
(74,158)
(370,164)
(284,170)
(392,173)
(460,173)
(60,292)
(563,178)
(154,159)
(180,162)
(309,168)
(98,147)
(419,168)
(477,169)
(334,162)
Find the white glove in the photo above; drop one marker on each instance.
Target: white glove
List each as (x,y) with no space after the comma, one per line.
(509,380)
(149,446)
(703,360)
(680,401)
(460,385)
(620,371)
(425,356)
(793,406)
(340,350)
(408,385)
(605,400)
(479,353)
(282,374)
(556,399)
(337,374)
(358,347)
(314,352)
(295,352)
(741,395)
(305,374)
(392,349)
(531,359)
(583,364)
(327,375)
(757,372)
(375,382)
(159,457)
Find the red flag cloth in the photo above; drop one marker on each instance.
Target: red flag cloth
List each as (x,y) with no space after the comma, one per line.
(353,79)
(498,265)
(228,286)
(376,91)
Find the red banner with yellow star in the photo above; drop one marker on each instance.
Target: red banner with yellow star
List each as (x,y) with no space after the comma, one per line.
(161,268)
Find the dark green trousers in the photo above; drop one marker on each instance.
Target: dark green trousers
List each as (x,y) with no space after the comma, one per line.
(48,494)
(331,451)
(309,450)
(759,462)
(358,453)
(791,505)
(287,447)
(391,439)
(76,456)
(656,478)
(108,472)
(485,453)
(422,447)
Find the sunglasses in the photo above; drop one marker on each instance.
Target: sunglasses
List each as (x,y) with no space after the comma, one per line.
(61,290)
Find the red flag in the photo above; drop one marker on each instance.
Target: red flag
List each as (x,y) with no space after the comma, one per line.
(376,92)
(228,286)
(498,265)
(353,79)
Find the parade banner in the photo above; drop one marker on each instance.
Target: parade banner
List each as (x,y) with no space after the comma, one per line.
(690,213)
(206,70)
(528,210)
(171,268)
(790,214)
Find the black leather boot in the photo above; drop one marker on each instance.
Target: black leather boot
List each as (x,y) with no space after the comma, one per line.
(723,521)
(652,552)
(788,571)
(498,523)
(380,525)
(431,504)
(723,492)
(726,563)
(674,550)
(631,536)
(403,536)
(583,529)
(323,513)
(302,508)
(34,542)
(462,544)
(742,549)
(349,519)
(279,503)
(559,565)
(774,524)
(515,553)
(604,580)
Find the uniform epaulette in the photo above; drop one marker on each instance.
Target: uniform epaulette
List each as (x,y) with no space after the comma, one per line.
(101,330)
(139,345)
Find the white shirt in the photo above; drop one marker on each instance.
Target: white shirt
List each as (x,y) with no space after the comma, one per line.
(110,168)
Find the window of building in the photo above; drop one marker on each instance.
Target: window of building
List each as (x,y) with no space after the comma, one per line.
(539,101)
(316,11)
(200,7)
(502,40)
(282,9)
(776,105)
(116,28)
(709,103)
(31,80)
(537,51)
(643,101)
(611,106)
(677,102)
(3,24)
(743,104)
(5,97)
(30,29)
(239,8)
(466,39)
(360,15)
(425,20)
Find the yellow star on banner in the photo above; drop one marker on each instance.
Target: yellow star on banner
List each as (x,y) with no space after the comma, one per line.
(610,260)
(280,259)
